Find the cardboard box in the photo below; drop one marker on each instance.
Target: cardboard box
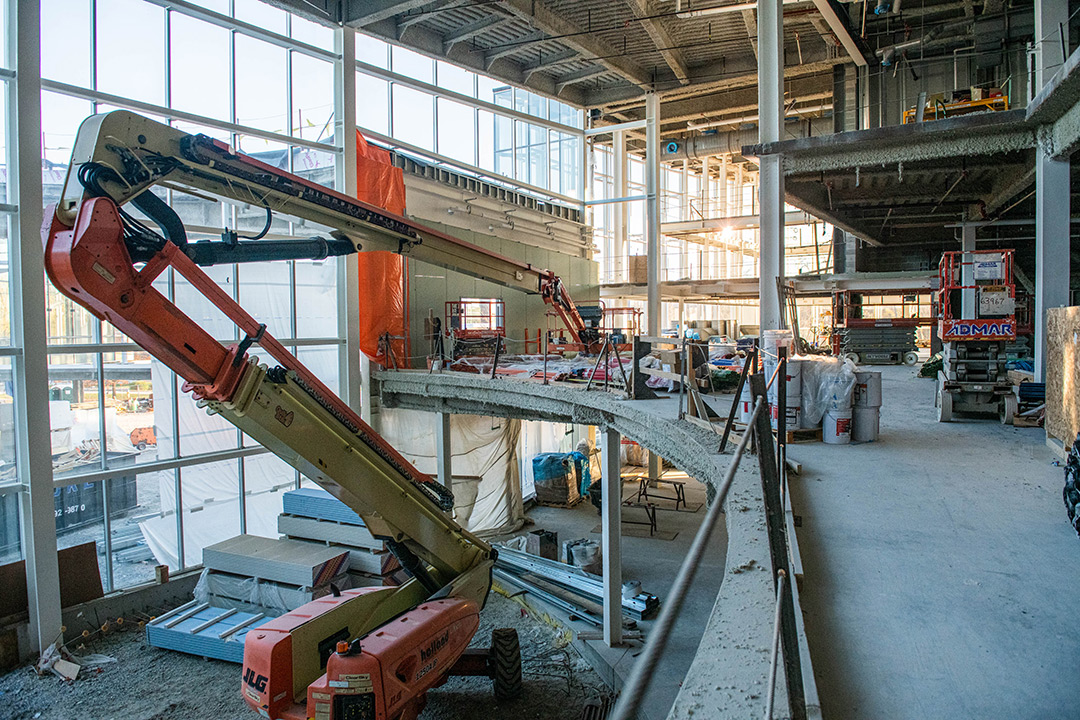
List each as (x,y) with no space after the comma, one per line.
(543,543)
(639,269)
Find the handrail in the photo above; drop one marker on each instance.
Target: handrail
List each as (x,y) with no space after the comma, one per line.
(780,577)
(635,686)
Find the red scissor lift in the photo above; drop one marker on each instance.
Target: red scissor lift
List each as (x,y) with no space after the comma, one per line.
(973,377)
(475,326)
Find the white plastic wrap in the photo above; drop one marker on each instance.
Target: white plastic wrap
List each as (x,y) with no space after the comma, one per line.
(827,383)
(253,594)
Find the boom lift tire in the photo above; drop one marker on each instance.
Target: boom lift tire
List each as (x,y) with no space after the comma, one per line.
(506,663)
(911,357)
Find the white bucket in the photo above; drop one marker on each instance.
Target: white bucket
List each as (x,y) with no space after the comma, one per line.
(836,427)
(791,418)
(773,339)
(865,424)
(793,397)
(746,404)
(867,389)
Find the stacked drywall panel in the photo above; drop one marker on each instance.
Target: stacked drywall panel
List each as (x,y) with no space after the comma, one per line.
(293,562)
(316,515)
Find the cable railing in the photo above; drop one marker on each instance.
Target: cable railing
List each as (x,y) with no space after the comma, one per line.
(771,461)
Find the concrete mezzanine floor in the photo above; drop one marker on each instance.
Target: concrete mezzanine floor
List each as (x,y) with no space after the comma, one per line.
(940,573)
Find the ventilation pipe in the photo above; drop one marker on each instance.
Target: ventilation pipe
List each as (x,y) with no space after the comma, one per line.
(724,143)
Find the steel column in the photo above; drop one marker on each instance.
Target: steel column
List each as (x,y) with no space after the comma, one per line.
(1052,187)
(620,252)
(353,390)
(443,457)
(967,296)
(611,531)
(771,181)
(652,210)
(31,374)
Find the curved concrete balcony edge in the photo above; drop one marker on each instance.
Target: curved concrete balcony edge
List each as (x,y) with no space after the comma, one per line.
(728,676)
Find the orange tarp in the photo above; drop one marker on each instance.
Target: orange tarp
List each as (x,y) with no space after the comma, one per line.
(381,274)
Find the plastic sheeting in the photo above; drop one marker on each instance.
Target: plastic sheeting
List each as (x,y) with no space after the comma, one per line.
(827,384)
(486,485)
(381,274)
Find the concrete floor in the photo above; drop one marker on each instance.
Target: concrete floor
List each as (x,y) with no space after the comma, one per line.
(940,574)
(655,563)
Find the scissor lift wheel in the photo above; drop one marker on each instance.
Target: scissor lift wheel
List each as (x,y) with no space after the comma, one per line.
(944,405)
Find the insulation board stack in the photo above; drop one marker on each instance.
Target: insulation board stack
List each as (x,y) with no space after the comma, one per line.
(316,515)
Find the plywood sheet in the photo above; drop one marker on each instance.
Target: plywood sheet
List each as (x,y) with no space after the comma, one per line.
(1063,374)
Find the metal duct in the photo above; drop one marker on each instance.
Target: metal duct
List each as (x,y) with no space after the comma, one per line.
(724,143)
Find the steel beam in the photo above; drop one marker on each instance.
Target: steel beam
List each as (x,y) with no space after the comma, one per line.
(661,38)
(652,210)
(345,171)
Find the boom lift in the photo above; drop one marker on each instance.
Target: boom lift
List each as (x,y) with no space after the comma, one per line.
(359,654)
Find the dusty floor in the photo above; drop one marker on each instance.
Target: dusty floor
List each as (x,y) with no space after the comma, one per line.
(940,572)
(150,684)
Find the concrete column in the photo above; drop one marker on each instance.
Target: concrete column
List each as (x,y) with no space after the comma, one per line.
(771,179)
(621,209)
(444,463)
(611,535)
(652,210)
(1052,189)
(30,368)
(967,297)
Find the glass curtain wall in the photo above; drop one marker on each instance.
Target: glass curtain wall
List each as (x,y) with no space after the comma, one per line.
(469,121)
(139,469)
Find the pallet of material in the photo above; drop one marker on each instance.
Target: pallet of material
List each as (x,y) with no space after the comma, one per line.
(200,629)
(255,595)
(293,562)
(319,504)
(309,528)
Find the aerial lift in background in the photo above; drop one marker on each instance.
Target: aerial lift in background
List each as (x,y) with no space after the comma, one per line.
(361,654)
(976,303)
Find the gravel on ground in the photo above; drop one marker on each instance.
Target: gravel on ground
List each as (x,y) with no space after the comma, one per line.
(151,684)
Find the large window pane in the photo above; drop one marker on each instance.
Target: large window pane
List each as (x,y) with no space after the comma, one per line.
(457,131)
(10,532)
(316,166)
(412,64)
(199,67)
(134,503)
(414,117)
(260,85)
(125,66)
(316,297)
(313,98)
(211,506)
(372,104)
(266,478)
(266,295)
(454,78)
(260,14)
(311,33)
(372,51)
(486,139)
(68,60)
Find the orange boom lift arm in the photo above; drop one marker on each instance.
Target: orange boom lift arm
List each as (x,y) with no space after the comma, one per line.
(366,653)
